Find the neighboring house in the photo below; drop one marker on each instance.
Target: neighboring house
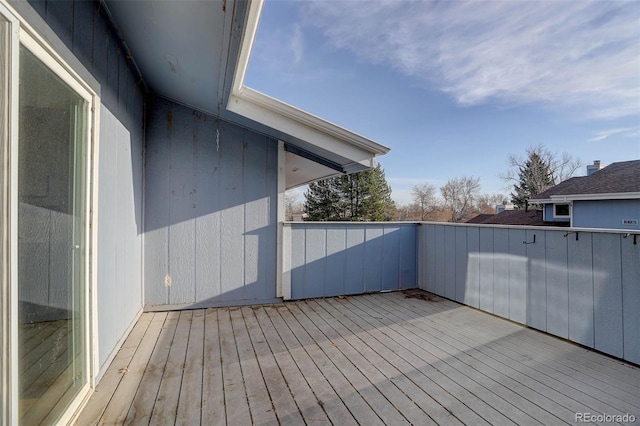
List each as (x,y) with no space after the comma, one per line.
(138,172)
(607,198)
(530,217)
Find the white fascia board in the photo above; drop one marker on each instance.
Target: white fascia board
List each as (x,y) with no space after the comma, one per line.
(541,201)
(271,117)
(288,119)
(587,197)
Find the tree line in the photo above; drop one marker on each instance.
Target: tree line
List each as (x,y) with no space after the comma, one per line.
(366,196)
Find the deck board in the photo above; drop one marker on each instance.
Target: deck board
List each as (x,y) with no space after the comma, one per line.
(532,373)
(146,394)
(372,359)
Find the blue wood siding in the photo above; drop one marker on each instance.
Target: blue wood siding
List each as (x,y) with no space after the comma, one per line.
(333,259)
(607,214)
(584,289)
(80,32)
(210,211)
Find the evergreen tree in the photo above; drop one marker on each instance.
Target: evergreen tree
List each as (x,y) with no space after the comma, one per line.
(363,196)
(323,200)
(534,177)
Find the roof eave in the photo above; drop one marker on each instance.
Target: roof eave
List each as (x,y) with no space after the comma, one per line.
(280,116)
(564,198)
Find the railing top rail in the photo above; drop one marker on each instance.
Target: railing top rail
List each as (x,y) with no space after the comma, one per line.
(349,223)
(477,225)
(541,228)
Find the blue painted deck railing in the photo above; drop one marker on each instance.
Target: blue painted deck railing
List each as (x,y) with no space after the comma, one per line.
(324,259)
(581,285)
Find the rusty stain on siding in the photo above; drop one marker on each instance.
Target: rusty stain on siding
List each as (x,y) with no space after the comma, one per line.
(169,122)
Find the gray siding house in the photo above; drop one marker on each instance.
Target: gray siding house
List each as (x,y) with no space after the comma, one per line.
(607,198)
(138,173)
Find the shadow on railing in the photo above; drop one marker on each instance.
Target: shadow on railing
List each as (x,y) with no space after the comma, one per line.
(582,285)
(579,284)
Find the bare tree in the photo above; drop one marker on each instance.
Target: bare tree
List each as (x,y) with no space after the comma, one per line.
(459,196)
(486,203)
(562,166)
(425,200)
(292,205)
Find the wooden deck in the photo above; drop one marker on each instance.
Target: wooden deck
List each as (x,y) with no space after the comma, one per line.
(372,359)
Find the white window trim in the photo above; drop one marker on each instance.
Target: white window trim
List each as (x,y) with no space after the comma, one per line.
(562,216)
(21,33)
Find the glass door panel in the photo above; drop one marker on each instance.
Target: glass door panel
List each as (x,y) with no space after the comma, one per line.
(52,319)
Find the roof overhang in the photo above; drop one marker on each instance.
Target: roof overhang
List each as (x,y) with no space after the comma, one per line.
(197,53)
(350,151)
(586,197)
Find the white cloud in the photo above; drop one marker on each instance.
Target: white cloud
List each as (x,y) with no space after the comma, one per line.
(285,45)
(572,54)
(624,132)
(296,44)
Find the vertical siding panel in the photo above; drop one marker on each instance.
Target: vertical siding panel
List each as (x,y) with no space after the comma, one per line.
(156,238)
(60,18)
(439,279)
(462,259)
(390,257)
(110,295)
(486,269)
(181,206)
(110,86)
(83,32)
(100,49)
(373,258)
(355,261)
(580,276)
(232,212)
(517,276)
(269,255)
(557,284)
(207,221)
(631,299)
(607,290)
(126,253)
(123,86)
(336,261)
(429,261)
(408,256)
(316,262)
(473,267)
(256,231)
(298,262)
(537,286)
(39,6)
(449,248)
(131,96)
(501,259)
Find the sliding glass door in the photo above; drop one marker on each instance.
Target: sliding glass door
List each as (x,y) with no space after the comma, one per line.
(51,242)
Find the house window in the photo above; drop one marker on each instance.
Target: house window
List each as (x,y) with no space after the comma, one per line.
(47,117)
(561,210)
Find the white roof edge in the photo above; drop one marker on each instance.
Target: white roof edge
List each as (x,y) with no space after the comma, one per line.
(587,197)
(295,116)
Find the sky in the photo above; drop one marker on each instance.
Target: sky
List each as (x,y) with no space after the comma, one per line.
(455,87)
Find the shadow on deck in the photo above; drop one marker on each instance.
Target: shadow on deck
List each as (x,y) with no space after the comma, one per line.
(382,358)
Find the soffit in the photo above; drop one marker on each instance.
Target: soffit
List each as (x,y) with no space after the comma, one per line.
(195,53)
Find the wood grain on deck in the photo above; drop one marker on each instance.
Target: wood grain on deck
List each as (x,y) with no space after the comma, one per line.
(372,359)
